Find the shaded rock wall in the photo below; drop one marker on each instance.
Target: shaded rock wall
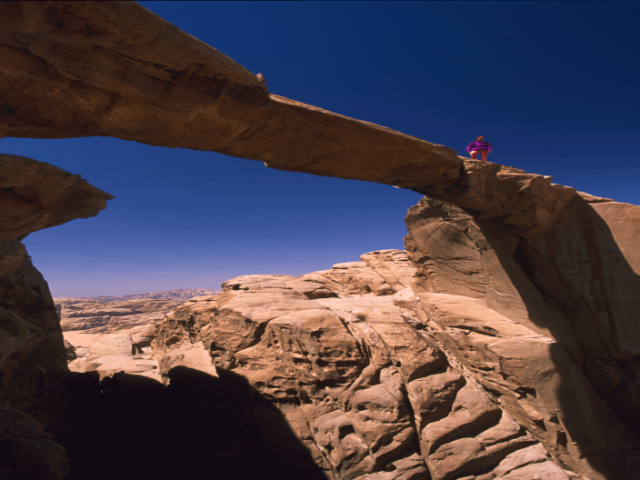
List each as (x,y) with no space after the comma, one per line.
(589,266)
(193,427)
(33,360)
(541,341)
(33,393)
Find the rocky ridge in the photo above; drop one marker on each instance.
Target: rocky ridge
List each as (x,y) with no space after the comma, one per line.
(511,352)
(113,334)
(180,294)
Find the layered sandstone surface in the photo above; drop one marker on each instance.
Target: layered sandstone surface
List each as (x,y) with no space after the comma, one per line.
(471,373)
(109,336)
(503,345)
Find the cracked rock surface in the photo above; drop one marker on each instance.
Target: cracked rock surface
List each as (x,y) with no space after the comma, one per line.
(363,377)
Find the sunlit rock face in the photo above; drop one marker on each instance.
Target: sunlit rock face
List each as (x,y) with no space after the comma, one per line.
(122,71)
(369,382)
(137,77)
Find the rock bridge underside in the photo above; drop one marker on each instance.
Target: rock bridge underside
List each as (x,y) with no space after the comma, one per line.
(503,343)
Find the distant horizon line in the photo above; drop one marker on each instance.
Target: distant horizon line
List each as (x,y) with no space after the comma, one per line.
(179,290)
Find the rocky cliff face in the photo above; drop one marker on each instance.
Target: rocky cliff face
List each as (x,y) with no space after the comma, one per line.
(360,376)
(472,373)
(536,334)
(33,361)
(503,344)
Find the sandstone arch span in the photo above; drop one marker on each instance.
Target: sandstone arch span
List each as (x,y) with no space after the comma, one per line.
(135,76)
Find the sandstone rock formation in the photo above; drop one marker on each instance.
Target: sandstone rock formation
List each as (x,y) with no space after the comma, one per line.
(158,85)
(33,365)
(363,376)
(503,345)
(95,316)
(112,337)
(115,336)
(537,322)
(35,195)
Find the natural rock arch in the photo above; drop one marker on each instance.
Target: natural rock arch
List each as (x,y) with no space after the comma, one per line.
(134,76)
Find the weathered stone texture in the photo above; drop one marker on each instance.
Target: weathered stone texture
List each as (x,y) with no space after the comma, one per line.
(35,195)
(528,333)
(33,359)
(504,346)
(363,375)
(33,368)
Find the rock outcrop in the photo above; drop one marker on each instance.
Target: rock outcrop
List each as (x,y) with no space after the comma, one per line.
(35,195)
(33,360)
(160,86)
(95,316)
(526,328)
(363,376)
(503,344)
(112,337)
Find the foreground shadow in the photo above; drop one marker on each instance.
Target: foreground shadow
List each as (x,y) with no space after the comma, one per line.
(133,427)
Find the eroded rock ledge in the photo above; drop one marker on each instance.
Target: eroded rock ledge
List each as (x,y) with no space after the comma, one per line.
(36,195)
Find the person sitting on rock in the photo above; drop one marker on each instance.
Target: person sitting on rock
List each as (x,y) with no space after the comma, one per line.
(479,146)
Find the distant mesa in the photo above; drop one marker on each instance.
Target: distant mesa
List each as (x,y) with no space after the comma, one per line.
(180,294)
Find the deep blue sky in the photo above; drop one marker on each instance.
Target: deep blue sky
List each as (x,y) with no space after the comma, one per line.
(552,85)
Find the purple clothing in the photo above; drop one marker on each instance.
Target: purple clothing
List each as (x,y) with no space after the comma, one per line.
(478,145)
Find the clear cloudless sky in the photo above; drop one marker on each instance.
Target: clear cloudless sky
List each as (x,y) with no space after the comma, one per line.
(552,85)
